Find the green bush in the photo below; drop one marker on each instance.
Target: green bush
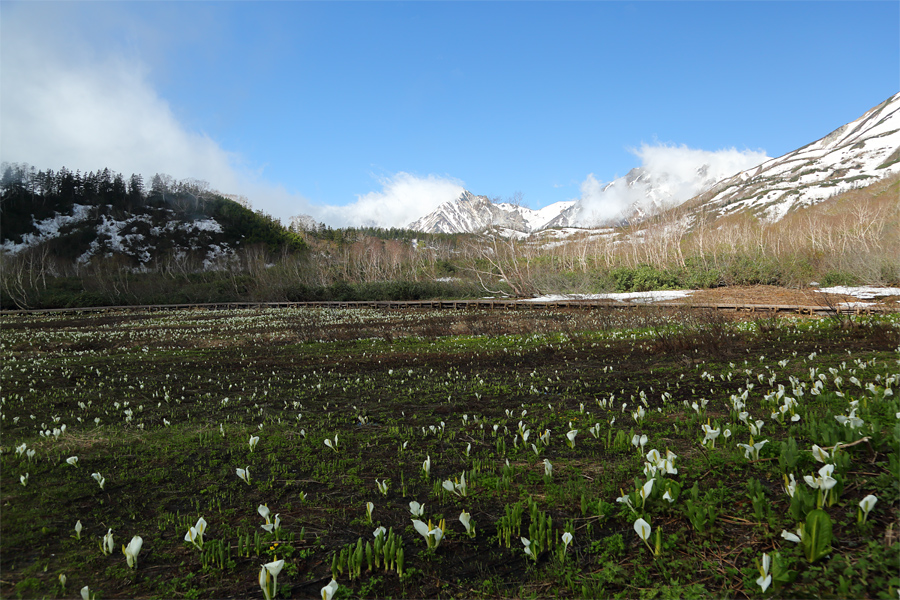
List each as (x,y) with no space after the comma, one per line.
(833,278)
(749,270)
(243,226)
(699,274)
(644,278)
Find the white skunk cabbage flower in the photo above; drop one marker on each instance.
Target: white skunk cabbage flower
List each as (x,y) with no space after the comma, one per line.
(765,579)
(866,505)
(195,533)
(566,540)
(791,537)
(466,519)
(268,578)
(432,534)
(244,474)
(132,550)
(820,454)
(329,590)
(107,545)
(643,529)
(527,543)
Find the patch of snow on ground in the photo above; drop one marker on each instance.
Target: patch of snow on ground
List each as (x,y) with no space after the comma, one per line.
(210,225)
(48,229)
(864,292)
(512,233)
(217,257)
(657,296)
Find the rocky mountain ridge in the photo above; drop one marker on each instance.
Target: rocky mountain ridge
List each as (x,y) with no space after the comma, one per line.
(470,213)
(855,154)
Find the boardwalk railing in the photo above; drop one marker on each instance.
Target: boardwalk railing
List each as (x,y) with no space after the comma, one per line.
(480,304)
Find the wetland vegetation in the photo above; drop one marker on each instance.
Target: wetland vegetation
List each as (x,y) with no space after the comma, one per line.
(648,453)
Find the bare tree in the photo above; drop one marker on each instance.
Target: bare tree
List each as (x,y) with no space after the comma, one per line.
(508,260)
(25,274)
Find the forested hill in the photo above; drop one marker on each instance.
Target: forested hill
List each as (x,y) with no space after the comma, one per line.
(77,217)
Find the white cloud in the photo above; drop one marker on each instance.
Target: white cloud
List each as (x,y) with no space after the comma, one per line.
(63,105)
(67,110)
(668,176)
(402,199)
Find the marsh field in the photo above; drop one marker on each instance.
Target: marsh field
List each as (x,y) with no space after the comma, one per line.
(659,452)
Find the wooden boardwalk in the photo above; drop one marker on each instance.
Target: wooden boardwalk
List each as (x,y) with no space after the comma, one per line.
(481,304)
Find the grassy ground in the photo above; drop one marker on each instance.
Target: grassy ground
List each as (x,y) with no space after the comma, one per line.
(163,406)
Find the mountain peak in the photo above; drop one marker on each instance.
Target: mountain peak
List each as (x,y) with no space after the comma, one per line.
(470,213)
(854,154)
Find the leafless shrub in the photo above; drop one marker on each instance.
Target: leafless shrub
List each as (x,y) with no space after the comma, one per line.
(699,331)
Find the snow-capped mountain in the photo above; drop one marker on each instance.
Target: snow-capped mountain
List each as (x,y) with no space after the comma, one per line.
(471,213)
(854,155)
(641,192)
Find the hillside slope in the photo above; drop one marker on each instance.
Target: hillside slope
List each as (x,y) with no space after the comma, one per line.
(76,218)
(856,154)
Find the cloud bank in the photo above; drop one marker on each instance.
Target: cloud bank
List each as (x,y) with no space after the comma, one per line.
(668,175)
(402,199)
(66,104)
(64,109)
(63,105)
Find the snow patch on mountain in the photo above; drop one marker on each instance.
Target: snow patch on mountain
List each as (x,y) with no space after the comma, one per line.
(667,177)
(470,213)
(135,235)
(854,155)
(47,229)
(726,181)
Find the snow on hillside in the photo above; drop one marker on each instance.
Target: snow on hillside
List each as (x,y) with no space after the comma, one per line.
(538,219)
(134,236)
(854,155)
(471,213)
(667,177)
(47,229)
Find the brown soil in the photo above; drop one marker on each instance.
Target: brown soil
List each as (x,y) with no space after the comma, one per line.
(772,295)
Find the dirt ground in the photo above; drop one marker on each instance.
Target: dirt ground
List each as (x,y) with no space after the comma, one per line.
(769,295)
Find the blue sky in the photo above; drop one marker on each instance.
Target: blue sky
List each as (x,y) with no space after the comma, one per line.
(386,109)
